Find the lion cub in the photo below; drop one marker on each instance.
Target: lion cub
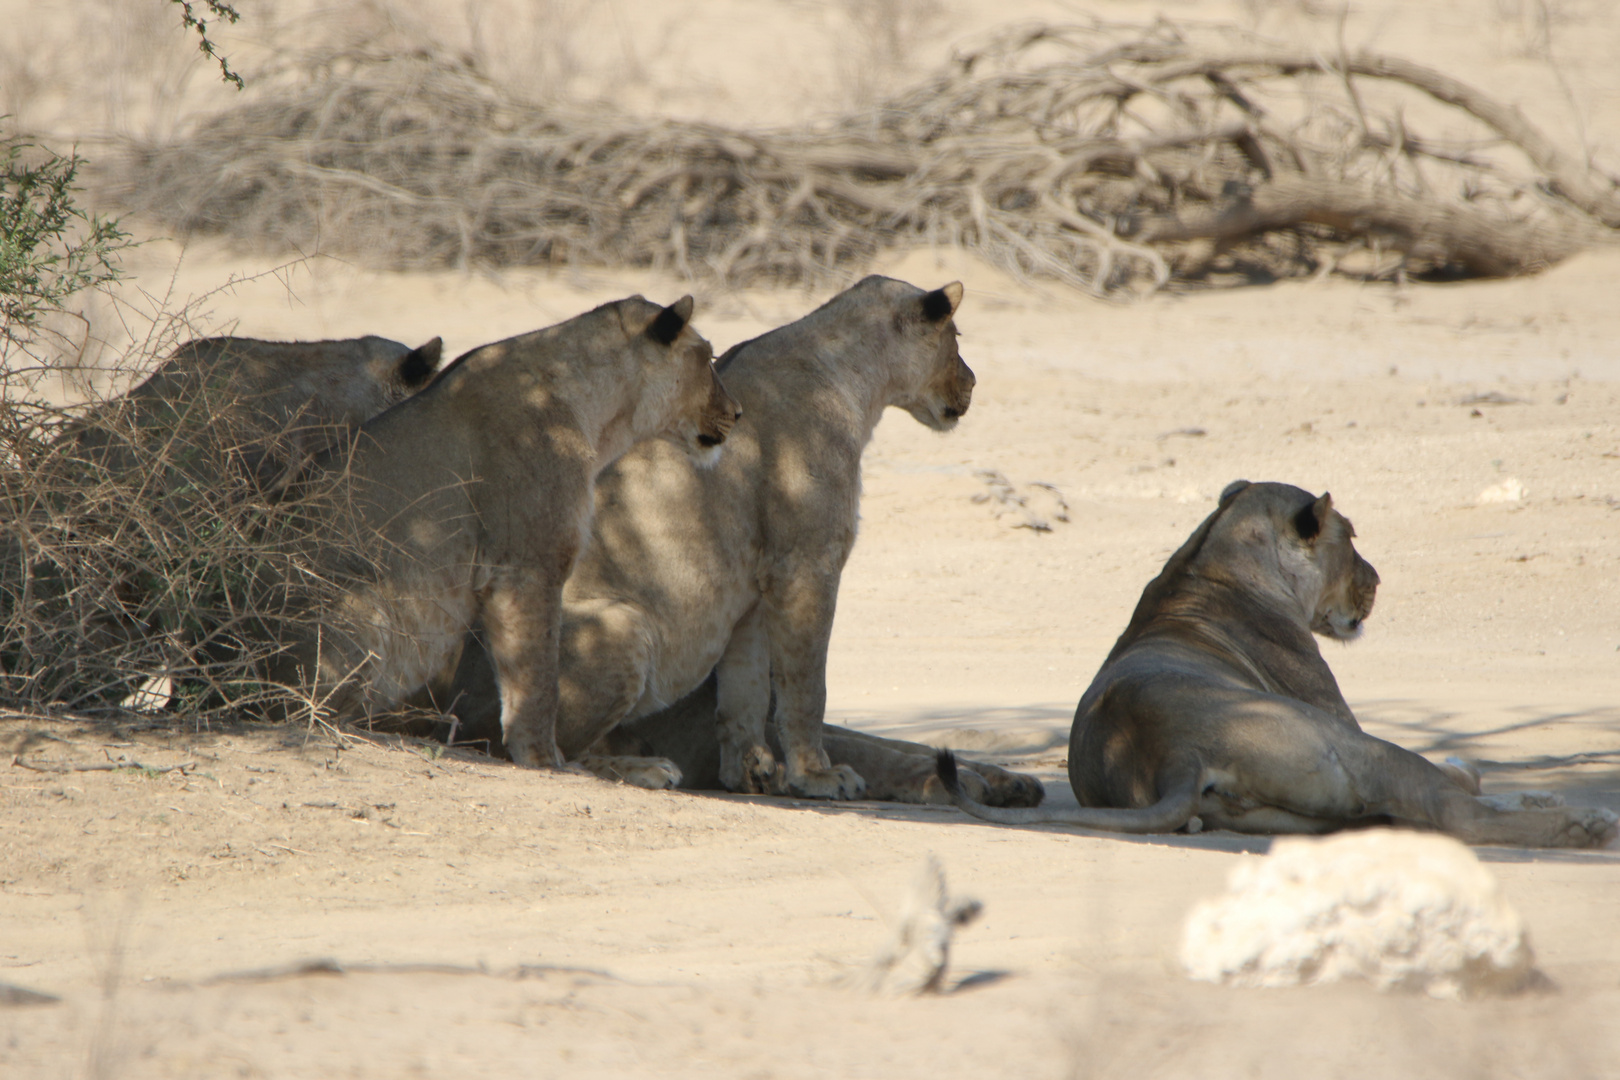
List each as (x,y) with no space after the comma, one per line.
(479,489)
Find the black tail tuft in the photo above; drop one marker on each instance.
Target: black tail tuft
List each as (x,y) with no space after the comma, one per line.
(945,767)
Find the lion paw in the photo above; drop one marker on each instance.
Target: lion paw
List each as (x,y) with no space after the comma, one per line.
(1592,826)
(530,756)
(1006,788)
(837,782)
(1596,826)
(754,771)
(652,773)
(764,775)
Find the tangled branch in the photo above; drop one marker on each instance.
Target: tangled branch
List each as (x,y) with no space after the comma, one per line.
(1112,158)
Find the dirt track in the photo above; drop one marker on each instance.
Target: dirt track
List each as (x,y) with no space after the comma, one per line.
(504,923)
(621,931)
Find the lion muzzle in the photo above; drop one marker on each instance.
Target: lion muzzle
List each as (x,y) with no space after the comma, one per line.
(719,415)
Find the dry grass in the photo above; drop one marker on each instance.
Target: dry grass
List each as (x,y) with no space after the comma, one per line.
(1113,158)
(141,553)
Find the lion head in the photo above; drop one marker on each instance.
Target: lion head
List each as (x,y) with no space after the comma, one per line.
(702,412)
(943,390)
(1282,541)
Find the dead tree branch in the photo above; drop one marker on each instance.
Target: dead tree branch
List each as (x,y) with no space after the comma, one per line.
(1082,154)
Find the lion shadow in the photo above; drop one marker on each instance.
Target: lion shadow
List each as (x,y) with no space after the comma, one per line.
(1034,739)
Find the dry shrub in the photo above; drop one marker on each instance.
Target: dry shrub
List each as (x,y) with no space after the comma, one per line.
(143,554)
(1113,158)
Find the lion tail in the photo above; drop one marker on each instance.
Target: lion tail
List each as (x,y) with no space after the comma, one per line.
(1173,811)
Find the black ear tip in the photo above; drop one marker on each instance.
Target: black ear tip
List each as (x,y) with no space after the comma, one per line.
(945,767)
(1306,522)
(416,365)
(669,323)
(1232,489)
(937,306)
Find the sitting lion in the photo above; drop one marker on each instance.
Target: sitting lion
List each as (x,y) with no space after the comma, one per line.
(1215,708)
(735,570)
(480,490)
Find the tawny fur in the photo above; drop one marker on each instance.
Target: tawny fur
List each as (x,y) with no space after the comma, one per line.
(280,403)
(479,490)
(735,570)
(1215,707)
(894,770)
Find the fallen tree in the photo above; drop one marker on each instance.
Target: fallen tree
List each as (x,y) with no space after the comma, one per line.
(1114,158)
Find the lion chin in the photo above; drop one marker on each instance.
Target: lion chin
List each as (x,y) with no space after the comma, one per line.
(935,417)
(701,450)
(1339,627)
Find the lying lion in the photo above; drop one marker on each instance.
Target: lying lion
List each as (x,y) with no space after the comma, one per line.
(273,406)
(130,485)
(735,570)
(480,487)
(1215,708)
(894,770)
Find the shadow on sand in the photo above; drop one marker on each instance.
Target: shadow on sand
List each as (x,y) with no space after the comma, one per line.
(1034,739)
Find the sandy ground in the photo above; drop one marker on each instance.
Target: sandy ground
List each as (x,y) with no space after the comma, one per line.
(494,922)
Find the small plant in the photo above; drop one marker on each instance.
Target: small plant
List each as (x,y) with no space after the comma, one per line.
(50,247)
(192,21)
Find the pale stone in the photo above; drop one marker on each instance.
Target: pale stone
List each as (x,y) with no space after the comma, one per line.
(1508,491)
(1402,910)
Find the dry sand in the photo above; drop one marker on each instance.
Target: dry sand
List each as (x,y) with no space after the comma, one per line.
(497,922)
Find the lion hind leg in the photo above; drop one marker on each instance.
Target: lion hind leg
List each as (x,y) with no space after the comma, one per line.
(607,653)
(522,617)
(742,706)
(1390,781)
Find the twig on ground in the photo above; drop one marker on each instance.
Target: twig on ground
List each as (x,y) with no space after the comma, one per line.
(100,766)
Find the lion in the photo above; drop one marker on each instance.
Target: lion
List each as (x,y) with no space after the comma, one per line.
(480,490)
(894,770)
(188,460)
(735,570)
(279,405)
(1215,708)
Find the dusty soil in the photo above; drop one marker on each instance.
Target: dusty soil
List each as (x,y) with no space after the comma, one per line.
(484,920)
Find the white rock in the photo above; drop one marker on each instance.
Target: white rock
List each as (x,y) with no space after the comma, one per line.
(1508,491)
(1402,910)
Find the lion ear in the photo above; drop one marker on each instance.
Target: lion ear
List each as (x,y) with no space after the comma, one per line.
(1232,489)
(941,304)
(417,366)
(669,323)
(1310,520)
